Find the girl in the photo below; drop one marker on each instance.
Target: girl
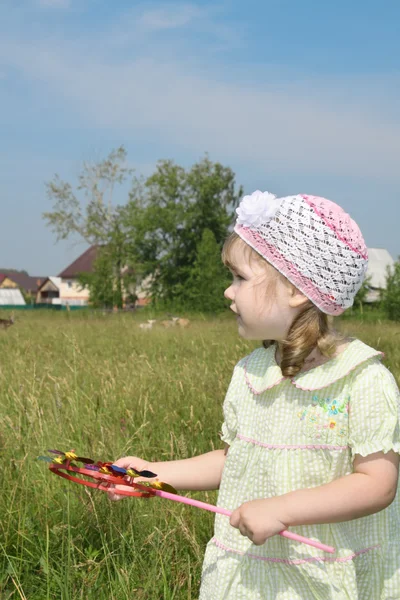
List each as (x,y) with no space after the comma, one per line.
(311,420)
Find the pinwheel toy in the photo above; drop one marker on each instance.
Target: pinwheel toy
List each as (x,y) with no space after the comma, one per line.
(62,456)
(110,469)
(104,475)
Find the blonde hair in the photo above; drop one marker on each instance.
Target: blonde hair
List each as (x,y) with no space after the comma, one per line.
(310,329)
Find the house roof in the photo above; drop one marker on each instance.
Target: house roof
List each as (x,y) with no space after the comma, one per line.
(26,282)
(83,264)
(56,281)
(378,260)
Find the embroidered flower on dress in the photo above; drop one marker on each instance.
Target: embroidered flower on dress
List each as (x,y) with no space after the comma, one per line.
(333,408)
(257,208)
(324,414)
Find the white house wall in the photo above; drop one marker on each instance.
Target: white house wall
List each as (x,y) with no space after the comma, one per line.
(379,260)
(72,293)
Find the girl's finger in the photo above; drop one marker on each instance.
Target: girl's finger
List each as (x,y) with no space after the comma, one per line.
(112,494)
(115,497)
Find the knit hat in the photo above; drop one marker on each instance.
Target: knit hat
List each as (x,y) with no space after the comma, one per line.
(311,241)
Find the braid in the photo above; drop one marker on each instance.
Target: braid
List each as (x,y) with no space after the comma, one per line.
(310,329)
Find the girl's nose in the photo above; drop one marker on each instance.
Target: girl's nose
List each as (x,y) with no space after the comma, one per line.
(228,293)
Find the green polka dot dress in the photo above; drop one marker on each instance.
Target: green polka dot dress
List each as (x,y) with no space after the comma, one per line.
(288,434)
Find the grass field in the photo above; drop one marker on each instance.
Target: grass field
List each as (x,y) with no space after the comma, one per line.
(101,385)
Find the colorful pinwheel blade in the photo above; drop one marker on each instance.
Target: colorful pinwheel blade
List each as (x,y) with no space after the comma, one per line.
(117,470)
(82,459)
(147,474)
(132,472)
(45,458)
(165,487)
(106,470)
(56,452)
(92,467)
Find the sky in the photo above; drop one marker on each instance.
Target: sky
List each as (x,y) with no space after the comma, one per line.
(296,97)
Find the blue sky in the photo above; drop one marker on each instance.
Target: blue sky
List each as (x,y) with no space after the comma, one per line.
(297,97)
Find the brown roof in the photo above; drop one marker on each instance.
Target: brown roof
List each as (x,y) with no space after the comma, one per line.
(83,264)
(26,282)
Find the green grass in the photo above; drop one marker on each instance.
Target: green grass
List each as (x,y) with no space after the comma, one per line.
(104,387)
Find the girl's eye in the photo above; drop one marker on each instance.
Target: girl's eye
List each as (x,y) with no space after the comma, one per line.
(239,277)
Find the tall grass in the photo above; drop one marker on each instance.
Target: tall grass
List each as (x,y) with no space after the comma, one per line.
(104,387)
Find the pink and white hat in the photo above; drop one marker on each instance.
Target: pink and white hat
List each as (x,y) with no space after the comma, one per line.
(311,241)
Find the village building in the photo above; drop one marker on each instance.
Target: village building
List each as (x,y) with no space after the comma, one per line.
(26,285)
(10,294)
(379,261)
(72,293)
(49,291)
(66,290)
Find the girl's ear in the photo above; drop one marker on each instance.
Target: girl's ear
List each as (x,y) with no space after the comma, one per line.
(296,298)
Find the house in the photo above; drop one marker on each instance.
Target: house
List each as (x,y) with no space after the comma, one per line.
(66,289)
(49,291)
(27,283)
(70,291)
(6,282)
(10,294)
(379,260)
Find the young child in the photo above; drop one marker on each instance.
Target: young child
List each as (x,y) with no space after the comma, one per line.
(311,425)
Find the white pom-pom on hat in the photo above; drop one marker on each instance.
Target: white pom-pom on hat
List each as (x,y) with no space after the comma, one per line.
(258,207)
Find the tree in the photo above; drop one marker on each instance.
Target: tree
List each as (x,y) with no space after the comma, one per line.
(92,214)
(101,281)
(391,295)
(208,278)
(6,271)
(167,219)
(156,233)
(362,293)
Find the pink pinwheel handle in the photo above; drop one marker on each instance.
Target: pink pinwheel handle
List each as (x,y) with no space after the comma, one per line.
(223,511)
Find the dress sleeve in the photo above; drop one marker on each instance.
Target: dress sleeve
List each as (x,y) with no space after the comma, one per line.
(374,411)
(229,426)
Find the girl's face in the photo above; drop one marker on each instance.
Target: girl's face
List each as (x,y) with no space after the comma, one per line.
(261,298)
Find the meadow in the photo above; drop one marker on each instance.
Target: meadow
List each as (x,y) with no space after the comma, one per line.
(101,385)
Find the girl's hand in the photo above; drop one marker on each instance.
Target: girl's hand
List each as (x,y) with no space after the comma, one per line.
(128,461)
(258,520)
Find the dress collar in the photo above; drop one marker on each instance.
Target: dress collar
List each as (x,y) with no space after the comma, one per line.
(262,372)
